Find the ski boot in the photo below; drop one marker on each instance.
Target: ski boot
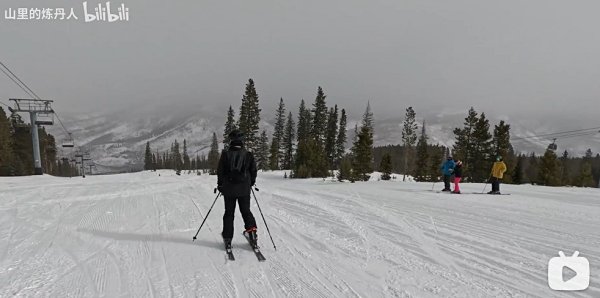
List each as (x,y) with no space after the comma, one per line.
(227,242)
(456,192)
(446,189)
(252,236)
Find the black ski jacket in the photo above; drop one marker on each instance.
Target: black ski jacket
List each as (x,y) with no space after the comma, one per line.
(458,171)
(230,189)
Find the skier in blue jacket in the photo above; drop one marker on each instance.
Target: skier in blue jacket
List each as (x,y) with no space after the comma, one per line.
(447,170)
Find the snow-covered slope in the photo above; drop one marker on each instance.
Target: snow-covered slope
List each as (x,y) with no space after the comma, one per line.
(130,235)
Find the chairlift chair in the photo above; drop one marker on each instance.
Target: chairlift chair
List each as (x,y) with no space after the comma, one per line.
(45,119)
(69,142)
(553,146)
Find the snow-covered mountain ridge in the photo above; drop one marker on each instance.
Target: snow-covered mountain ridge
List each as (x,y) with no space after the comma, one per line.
(116,141)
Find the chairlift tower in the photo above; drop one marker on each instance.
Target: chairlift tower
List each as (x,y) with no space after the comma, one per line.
(83,157)
(41,113)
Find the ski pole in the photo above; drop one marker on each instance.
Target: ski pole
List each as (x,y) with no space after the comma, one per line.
(213,204)
(486,183)
(263,217)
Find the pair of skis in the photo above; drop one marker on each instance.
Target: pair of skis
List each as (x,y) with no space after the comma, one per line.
(255,248)
(473,193)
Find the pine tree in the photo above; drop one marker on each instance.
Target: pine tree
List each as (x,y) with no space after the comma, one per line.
(421,169)
(386,167)
(565,178)
(330,138)
(518,171)
(363,148)
(288,142)
(532,169)
(303,156)
(501,141)
(345,172)
(186,157)
(262,156)
(304,123)
(409,138)
(229,127)
(158,161)
(169,160)
(148,158)
(368,121)
(277,152)
(465,142)
(340,142)
(250,117)
(22,148)
(319,119)
(48,151)
(318,135)
(596,169)
(549,169)
(586,178)
(177,160)
(482,150)
(213,155)
(6,148)
(436,158)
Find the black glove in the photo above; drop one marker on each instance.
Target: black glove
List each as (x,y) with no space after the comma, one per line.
(220,188)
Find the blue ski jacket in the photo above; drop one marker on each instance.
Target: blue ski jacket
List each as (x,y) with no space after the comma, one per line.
(448,167)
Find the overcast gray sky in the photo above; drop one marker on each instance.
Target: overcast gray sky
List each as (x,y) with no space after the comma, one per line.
(538,56)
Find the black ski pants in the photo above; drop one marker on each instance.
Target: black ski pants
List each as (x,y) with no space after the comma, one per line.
(495,184)
(244,203)
(447,182)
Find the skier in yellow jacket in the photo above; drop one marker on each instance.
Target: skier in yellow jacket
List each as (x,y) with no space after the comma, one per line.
(496,175)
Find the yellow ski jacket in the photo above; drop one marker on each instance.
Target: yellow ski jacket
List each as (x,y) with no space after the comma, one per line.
(498,169)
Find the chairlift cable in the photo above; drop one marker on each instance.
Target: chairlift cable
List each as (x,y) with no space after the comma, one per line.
(17,83)
(16,77)
(28,90)
(559,135)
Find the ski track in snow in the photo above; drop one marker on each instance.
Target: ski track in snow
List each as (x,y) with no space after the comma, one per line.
(130,235)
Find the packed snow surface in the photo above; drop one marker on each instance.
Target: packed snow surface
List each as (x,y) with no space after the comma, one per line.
(130,235)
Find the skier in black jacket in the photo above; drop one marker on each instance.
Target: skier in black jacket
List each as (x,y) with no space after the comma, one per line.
(236,174)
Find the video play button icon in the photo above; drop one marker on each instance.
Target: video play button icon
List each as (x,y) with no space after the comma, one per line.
(568,273)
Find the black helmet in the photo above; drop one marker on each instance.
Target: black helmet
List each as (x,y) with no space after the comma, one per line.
(236,138)
(236,135)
